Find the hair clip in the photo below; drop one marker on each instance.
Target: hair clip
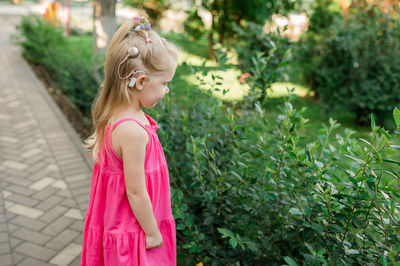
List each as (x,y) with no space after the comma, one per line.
(148,40)
(143,24)
(163,40)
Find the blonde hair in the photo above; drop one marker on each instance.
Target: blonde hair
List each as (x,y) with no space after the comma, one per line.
(155,57)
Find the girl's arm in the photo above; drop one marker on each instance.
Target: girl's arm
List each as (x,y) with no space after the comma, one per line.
(133,140)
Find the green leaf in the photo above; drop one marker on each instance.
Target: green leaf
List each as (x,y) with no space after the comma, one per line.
(385,133)
(372,122)
(233,242)
(396,116)
(290,261)
(397,147)
(391,161)
(310,248)
(383,259)
(295,211)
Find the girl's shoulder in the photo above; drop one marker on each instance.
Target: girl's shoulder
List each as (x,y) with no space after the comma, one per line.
(126,131)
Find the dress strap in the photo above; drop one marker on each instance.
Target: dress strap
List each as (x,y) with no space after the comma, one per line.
(126,119)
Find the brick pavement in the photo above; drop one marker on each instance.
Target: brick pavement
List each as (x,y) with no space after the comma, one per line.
(44,173)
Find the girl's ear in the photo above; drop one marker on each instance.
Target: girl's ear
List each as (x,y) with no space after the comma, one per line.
(141,82)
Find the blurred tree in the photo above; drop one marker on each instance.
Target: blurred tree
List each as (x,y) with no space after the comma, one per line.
(153,8)
(104,27)
(223,12)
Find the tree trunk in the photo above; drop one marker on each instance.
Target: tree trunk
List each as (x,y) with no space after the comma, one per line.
(104,27)
(223,18)
(212,30)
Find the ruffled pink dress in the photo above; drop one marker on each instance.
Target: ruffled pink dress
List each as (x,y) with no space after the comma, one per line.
(112,235)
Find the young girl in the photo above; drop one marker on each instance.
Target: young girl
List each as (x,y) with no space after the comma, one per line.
(129,219)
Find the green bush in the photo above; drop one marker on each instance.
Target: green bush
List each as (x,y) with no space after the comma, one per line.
(43,44)
(249,191)
(262,55)
(354,63)
(37,38)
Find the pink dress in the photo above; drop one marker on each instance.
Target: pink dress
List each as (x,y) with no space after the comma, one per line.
(112,235)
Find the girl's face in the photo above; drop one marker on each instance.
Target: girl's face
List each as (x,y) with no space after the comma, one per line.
(155,90)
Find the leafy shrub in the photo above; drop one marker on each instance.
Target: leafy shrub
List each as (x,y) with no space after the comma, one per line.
(37,38)
(354,64)
(42,44)
(262,55)
(249,190)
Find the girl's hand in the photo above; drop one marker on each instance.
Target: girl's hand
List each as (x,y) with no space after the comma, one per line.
(154,241)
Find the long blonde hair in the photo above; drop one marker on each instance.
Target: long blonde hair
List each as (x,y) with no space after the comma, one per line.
(155,57)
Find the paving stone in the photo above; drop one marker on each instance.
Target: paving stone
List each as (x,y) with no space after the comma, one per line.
(79,239)
(32,262)
(8,204)
(38,159)
(42,183)
(8,139)
(83,198)
(36,167)
(41,173)
(79,184)
(52,214)
(73,178)
(77,225)
(57,226)
(3,237)
(76,261)
(25,210)
(11,227)
(53,167)
(14,165)
(17,257)
(49,203)
(18,181)
(10,215)
(27,222)
(35,251)
(30,153)
(5,248)
(14,241)
(45,193)
(32,236)
(63,239)
(74,213)
(69,203)
(18,198)
(5,259)
(59,184)
(67,255)
(80,191)
(3,226)
(20,189)
(6,193)
(75,171)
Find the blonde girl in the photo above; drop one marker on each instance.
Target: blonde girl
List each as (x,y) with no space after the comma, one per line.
(129,219)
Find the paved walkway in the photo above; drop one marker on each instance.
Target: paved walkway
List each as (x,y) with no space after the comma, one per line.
(44,173)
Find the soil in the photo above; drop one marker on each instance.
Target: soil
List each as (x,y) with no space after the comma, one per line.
(81,124)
